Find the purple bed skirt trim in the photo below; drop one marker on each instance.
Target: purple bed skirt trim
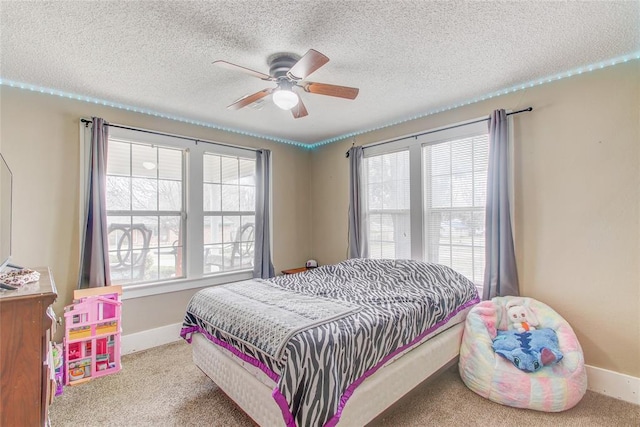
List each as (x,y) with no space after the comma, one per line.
(349,391)
(279,397)
(187,332)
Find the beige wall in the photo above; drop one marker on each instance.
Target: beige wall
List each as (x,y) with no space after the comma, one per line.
(577,206)
(40,141)
(577,201)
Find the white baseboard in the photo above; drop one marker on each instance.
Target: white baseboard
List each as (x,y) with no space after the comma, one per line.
(614,384)
(150,338)
(603,381)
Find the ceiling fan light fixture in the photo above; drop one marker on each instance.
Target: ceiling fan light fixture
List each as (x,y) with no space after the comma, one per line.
(285,99)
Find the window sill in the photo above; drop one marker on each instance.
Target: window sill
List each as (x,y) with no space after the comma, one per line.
(149,289)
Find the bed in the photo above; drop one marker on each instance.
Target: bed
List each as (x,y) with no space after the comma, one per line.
(338,343)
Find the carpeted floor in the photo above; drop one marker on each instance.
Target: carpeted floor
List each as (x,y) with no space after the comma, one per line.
(162,387)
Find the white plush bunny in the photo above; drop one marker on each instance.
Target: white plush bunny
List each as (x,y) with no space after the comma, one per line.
(520,317)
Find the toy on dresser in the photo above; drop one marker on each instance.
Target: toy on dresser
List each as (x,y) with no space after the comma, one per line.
(92,334)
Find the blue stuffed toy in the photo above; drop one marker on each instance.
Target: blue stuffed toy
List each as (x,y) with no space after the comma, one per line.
(528,351)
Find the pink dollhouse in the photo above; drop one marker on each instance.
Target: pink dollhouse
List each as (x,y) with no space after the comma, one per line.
(92,334)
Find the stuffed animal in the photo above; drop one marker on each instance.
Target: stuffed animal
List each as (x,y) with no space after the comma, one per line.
(521,318)
(528,351)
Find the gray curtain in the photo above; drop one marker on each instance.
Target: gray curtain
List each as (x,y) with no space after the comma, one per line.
(262,266)
(500,274)
(94,264)
(358,247)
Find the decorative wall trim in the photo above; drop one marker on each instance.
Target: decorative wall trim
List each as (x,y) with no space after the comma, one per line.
(150,338)
(614,384)
(309,145)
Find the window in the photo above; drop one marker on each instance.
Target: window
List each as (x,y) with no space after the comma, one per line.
(180,214)
(426,198)
(388,202)
(455,181)
(229,213)
(145,211)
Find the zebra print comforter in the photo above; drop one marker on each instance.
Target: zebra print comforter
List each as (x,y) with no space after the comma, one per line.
(401,302)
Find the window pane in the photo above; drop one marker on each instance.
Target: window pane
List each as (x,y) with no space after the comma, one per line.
(455,197)
(478,265)
(118,193)
(170,164)
(129,255)
(247,198)
(211,168)
(375,249)
(440,159)
(229,243)
(441,191)
(390,194)
(477,227)
(213,259)
(247,172)
(444,255)
(230,227)
(212,229)
(246,243)
(388,203)
(144,248)
(144,194)
(461,260)
(230,198)
(462,190)
(445,227)
(144,232)
(461,160)
(170,247)
(170,195)
(480,188)
(229,188)
(481,153)
(374,169)
(144,236)
(118,159)
(230,170)
(375,196)
(144,161)
(248,224)
(212,197)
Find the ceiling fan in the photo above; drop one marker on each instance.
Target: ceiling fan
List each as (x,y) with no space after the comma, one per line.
(288,72)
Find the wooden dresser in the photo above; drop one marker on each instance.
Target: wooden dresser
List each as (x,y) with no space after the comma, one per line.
(25,333)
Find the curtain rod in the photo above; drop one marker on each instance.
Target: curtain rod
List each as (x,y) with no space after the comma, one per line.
(196,140)
(441,129)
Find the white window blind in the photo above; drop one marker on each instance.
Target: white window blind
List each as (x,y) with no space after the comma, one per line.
(426,198)
(388,205)
(454,185)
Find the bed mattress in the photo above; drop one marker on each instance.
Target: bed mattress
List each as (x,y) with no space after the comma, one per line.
(400,304)
(366,402)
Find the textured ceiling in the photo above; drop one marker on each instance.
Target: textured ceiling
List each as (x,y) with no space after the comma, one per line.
(407,57)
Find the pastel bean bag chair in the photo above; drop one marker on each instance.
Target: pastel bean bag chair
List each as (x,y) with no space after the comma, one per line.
(553,388)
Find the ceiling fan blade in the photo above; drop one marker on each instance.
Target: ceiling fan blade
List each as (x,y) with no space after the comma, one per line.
(249,99)
(299,110)
(310,62)
(230,66)
(331,90)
